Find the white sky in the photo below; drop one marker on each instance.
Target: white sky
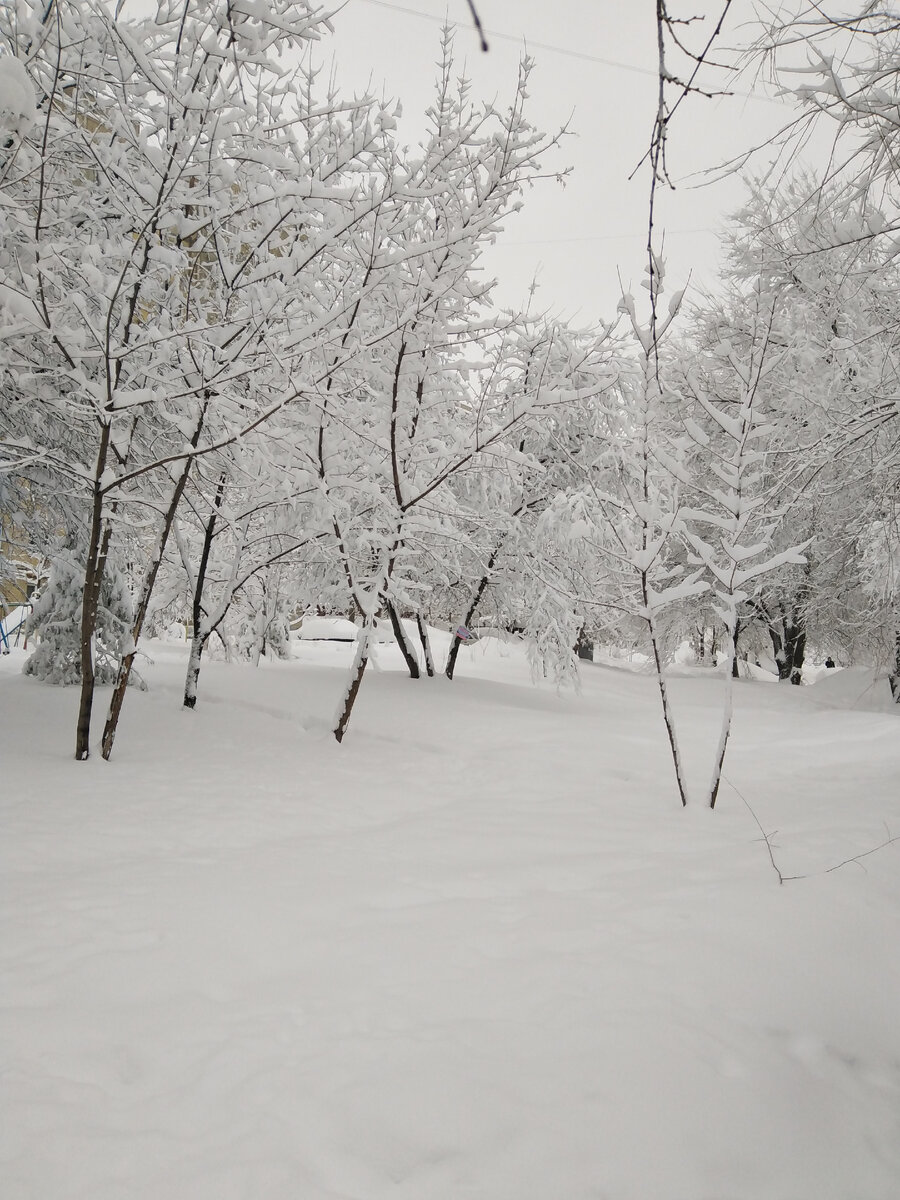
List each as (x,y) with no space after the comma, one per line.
(576,238)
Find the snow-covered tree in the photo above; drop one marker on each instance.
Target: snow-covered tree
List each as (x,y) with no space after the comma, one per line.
(54,622)
(162,220)
(732,532)
(832,457)
(441,395)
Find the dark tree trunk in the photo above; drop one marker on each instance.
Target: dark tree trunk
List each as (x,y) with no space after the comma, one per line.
(426,645)
(127,662)
(797,642)
(791,648)
(453,655)
(357,671)
(200,638)
(735,673)
(94,567)
(895,677)
(198,645)
(777,648)
(584,647)
(700,644)
(90,603)
(262,624)
(406,647)
(470,613)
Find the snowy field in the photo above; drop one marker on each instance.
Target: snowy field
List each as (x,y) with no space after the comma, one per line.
(478,952)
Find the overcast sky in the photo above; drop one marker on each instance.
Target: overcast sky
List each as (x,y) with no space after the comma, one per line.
(574,239)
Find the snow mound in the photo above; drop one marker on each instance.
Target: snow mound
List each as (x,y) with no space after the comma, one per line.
(860,688)
(339,629)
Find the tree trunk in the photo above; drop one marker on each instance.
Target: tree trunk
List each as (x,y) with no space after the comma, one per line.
(584,648)
(788,634)
(261,625)
(198,645)
(735,673)
(94,567)
(124,672)
(777,649)
(199,640)
(798,643)
(453,655)
(470,613)
(727,714)
(357,671)
(89,601)
(895,677)
(127,661)
(790,666)
(426,645)
(227,648)
(700,643)
(664,693)
(406,647)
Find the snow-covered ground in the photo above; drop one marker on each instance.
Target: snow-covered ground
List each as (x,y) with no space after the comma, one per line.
(477,952)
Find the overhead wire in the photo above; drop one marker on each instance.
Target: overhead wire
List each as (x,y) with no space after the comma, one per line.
(607,237)
(520,39)
(584,57)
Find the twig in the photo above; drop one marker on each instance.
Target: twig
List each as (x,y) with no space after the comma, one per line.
(766,839)
(856,857)
(888,841)
(477,22)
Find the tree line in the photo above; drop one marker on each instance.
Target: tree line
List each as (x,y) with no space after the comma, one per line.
(252,367)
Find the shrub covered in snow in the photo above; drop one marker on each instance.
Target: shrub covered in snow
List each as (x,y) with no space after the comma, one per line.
(56,622)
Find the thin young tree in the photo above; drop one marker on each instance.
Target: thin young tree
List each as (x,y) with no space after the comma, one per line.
(732,534)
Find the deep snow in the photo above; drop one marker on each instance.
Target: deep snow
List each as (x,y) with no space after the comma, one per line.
(477,952)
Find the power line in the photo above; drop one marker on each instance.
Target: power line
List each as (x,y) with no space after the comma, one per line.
(569,53)
(512,37)
(604,237)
